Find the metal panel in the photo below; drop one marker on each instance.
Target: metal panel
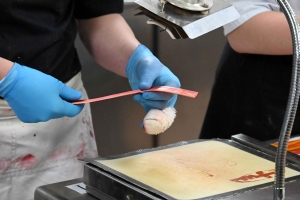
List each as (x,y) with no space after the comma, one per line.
(193,23)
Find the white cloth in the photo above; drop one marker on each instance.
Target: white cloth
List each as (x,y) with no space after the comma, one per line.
(250,8)
(37,154)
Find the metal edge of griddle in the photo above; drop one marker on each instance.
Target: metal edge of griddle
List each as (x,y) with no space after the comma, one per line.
(121,180)
(107,186)
(60,191)
(130,181)
(195,25)
(98,194)
(42,193)
(265,147)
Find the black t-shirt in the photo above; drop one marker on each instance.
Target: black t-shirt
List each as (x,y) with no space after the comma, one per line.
(40,33)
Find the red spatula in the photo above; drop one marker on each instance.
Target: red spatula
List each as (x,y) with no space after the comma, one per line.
(167,89)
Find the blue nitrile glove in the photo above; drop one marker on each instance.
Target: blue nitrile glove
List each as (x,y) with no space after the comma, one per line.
(37,97)
(144,71)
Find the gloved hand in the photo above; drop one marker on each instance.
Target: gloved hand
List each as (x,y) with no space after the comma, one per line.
(37,97)
(144,71)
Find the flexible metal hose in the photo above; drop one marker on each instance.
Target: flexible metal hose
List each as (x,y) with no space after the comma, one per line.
(280,161)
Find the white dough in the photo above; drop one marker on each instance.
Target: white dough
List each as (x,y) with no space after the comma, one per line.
(157,121)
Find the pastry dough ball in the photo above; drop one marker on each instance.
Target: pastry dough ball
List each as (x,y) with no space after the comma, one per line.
(157,121)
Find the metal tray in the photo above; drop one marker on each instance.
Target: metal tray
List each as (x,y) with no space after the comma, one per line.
(107,183)
(192,23)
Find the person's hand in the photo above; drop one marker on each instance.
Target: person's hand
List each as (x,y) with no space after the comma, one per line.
(37,97)
(144,71)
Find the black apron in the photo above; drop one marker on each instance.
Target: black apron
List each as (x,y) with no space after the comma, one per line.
(249,96)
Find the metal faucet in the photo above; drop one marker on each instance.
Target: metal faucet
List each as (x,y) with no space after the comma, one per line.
(286,129)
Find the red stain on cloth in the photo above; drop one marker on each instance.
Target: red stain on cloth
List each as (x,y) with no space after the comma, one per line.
(89,125)
(61,154)
(91,133)
(5,164)
(28,161)
(82,153)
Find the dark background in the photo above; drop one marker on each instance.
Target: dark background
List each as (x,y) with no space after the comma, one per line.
(116,121)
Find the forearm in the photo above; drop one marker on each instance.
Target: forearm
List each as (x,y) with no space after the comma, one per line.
(109,40)
(266,33)
(5,66)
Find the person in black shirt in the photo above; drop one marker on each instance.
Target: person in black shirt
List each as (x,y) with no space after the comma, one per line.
(40,74)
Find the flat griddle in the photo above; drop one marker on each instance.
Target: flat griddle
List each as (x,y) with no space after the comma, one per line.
(123,176)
